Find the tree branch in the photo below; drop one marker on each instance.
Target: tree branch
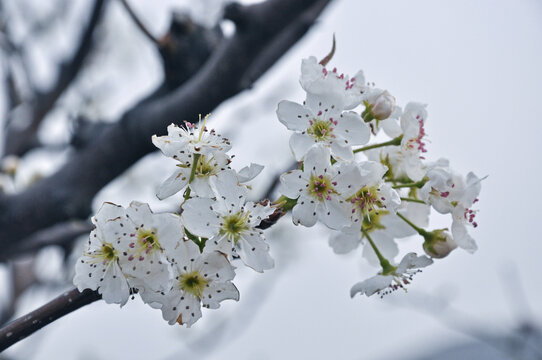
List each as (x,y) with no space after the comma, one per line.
(68,193)
(138,22)
(61,234)
(26,325)
(19,141)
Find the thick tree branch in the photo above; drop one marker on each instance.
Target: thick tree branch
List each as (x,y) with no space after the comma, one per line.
(61,234)
(19,141)
(26,325)
(68,193)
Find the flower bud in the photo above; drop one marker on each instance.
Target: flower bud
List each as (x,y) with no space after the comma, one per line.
(438,244)
(380,105)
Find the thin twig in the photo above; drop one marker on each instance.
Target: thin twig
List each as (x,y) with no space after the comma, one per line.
(139,24)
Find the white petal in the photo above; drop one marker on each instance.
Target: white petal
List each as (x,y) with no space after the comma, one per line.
(249,172)
(216,267)
(317,161)
(114,287)
(215,293)
(462,237)
(254,252)
(371,285)
(186,252)
(412,261)
(350,127)
(229,190)
(201,186)
(300,145)
(199,218)
(294,116)
(348,179)
(292,184)
(341,151)
(173,184)
(333,214)
(258,212)
(304,212)
(343,243)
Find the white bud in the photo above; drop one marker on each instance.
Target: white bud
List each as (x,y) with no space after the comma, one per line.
(439,244)
(381,104)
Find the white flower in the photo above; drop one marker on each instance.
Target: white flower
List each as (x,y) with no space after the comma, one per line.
(98,267)
(372,193)
(405,161)
(321,189)
(192,140)
(230,224)
(321,121)
(449,192)
(463,215)
(317,81)
(145,238)
(396,278)
(211,160)
(198,279)
(207,167)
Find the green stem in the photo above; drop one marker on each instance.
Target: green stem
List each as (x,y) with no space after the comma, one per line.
(192,175)
(413,200)
(395,142)
(420,231)
(418,184)
(386,266)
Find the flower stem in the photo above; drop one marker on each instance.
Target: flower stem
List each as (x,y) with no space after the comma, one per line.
(192,175)
(418,184)
(395,142)
(420,231)
(413,200)
(386,266)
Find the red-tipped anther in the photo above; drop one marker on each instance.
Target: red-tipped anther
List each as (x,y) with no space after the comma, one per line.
(131,245)
(141,258)
(131,257)
(445,194)
(334,183)
(328,197)
(320,113)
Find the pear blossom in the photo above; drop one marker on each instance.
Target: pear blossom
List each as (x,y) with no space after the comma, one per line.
(449,192)
(405,161)
(395,278)
(183,145)
(384,226)
(321,121)
(207,167)
(99,267)
(192,140)
(197,280)
(230,223)
(150,237)
(321,189)
(317,81)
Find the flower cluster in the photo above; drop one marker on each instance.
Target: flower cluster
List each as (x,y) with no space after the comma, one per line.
(369,195)
(374,194)
(179,262)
